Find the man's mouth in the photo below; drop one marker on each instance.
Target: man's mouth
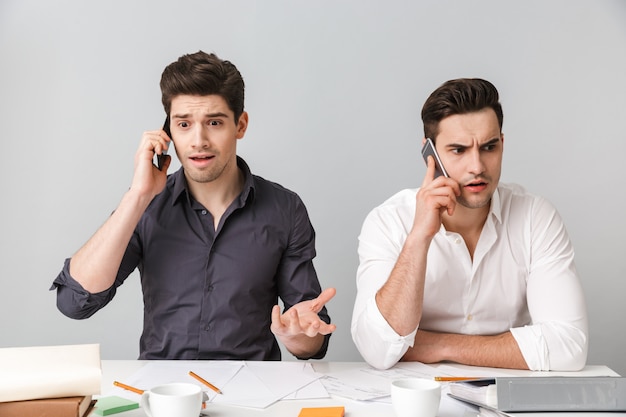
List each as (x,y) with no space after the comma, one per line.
(476,186)
(201,157)
(201,161)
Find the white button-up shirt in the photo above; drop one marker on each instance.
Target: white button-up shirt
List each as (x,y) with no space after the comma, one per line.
(522,278)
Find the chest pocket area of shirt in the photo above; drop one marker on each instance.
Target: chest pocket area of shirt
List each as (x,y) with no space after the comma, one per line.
(250,257)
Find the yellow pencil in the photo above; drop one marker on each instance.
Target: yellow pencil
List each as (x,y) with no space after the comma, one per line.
(456,378)
(139,391)
(128,387)
(205,382)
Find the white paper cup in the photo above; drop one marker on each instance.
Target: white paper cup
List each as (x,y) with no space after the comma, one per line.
(173,400)
(415,397)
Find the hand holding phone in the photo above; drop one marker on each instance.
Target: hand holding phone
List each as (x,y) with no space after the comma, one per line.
(161,158)
(429,149)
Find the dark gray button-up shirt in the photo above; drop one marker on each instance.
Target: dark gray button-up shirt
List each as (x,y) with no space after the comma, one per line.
(208,293)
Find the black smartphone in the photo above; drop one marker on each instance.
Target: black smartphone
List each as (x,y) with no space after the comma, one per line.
(161,158)
(429,149)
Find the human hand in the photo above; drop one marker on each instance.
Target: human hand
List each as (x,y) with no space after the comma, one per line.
(148,179)
(435,197)
(302,318)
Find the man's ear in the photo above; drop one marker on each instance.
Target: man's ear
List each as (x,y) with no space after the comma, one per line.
(242,125)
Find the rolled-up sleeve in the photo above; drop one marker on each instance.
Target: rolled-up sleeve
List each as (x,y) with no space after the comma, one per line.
(557,338)
(378,343)
(73,300)
(380,244)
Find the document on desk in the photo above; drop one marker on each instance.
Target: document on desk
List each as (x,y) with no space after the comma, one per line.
(242,383)
(261,384)
(371,384)
(218,373)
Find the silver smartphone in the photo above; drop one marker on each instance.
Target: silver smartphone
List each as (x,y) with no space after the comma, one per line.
(429,149)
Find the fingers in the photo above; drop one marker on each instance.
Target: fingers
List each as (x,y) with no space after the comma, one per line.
(325,329)
(158,141)
(154,142)
(438,193)
(309,328)
(430,171)
(294,327)
(276,322)
(291,323)
(324,297)
(287,324)
(434,198)
(167,160)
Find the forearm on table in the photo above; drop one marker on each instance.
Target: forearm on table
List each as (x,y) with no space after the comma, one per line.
(497,351)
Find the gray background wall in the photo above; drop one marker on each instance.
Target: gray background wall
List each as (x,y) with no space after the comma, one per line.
(334,91)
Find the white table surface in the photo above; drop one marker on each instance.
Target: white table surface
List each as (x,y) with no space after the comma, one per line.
(121,370)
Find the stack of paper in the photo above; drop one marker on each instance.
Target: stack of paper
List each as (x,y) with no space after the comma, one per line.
(57,381)
(28,373)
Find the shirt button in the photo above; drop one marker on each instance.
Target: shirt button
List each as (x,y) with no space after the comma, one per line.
(469,317)
(458,240)
(204,212)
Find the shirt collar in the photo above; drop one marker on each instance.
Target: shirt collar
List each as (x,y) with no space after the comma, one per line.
(180,187)
(496,206)
(495,210)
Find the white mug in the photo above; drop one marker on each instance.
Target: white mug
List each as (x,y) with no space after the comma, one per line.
(415,397)
(173,400)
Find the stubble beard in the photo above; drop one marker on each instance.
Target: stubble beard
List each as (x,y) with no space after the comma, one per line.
(473,204)
(476,204)
(205,176)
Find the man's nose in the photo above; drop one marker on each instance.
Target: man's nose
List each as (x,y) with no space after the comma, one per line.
(200,136)
(477,166)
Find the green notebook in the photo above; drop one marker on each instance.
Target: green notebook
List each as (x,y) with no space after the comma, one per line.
(113,404)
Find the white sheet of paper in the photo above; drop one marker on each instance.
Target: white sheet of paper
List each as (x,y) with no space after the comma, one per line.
(243,383)
(368,384)
(28,373)
(312,391)
(260,384)
(218,373)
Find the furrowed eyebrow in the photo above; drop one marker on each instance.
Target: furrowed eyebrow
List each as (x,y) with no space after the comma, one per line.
(459,146)
(456,146)
(491,142)
(208,115)
(214,115)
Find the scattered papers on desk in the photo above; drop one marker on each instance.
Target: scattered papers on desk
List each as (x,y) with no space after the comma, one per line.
(472,371)
(243,383)
(28,373)
(371,384)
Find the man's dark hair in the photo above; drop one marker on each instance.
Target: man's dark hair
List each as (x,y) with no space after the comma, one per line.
(202,74)
(460,96)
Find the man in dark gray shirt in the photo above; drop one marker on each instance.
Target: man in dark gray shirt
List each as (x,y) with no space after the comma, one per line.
(216,246)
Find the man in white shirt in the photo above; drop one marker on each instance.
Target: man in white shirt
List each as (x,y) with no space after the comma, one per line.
(466,269)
